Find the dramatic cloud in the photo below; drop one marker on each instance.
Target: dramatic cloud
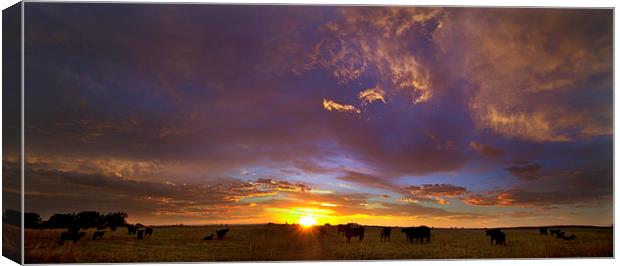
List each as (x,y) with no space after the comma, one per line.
(372,95)
(334,106)
(373,41)
(534,84)
(433,192)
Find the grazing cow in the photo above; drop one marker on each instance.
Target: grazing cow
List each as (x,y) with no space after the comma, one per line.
(148,231)
(73,236)
(353,231)
(221,233)
(140,234)
(385,233)
(560,234)
(98,234)
(543,230)
(131,229)
(209,237)
(571,237)
(496,236)
(554,231)
(422,232)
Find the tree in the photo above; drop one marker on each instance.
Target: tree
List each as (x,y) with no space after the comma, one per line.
(32,220)
(115,219)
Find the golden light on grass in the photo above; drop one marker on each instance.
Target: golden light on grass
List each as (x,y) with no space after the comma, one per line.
(307,221)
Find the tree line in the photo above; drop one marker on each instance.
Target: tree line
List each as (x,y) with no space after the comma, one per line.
(84,219)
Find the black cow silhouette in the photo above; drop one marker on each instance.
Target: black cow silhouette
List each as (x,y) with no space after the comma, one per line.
(98,234)
(421,232)
(496,236)
(543,230)
(554,231)
(560,234)
(73,236)
(221,233)
(351,230)
(140,233)
(131,229)
(385,233)
(209,237)
(148,231)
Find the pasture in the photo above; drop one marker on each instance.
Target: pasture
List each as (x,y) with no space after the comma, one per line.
(286,243)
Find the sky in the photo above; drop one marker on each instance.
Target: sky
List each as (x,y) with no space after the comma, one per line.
(222,114)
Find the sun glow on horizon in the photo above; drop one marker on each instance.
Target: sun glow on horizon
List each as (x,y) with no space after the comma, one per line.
(307,221)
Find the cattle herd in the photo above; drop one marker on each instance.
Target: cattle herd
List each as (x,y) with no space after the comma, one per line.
(421,234)
(558,233)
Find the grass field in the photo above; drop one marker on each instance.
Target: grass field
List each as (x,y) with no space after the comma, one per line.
(277,243)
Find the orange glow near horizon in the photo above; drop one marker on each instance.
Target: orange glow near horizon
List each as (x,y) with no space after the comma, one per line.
(307,221)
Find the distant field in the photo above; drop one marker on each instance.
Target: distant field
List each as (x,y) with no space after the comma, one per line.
(277,243)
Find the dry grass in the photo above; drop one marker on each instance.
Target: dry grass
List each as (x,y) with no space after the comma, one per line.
(276,243)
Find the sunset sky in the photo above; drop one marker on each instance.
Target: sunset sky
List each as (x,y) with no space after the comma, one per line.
(202,114)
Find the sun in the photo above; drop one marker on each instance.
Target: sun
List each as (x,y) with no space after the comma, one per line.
(307,221)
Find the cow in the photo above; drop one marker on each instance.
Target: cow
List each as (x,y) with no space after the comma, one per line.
(98,234)
(221,233)
(140,234)
(209,237)
(131,229)
(148,231)
(554,231)
(385,234)
(496,236)
(560,234)
(73,236)
(351,230)
(571,237)
(543,230)
(422,232)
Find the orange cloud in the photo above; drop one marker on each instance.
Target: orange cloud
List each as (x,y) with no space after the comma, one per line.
(372,95)
(524,80)
(334,106)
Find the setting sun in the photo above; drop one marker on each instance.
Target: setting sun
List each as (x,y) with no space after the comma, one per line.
(307,221)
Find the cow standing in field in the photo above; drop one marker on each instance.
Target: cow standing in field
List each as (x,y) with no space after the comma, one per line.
(385,234)
(554,231)
(560,234)
(148,231)
(140,234)
(354,231)
(543,230)
(98,234)
(221,233)
(131,229)
(496,236)
(422,232)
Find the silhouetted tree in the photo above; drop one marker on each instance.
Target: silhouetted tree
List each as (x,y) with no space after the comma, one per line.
(32,220)
(115,219)
(60,220)
(87,219)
